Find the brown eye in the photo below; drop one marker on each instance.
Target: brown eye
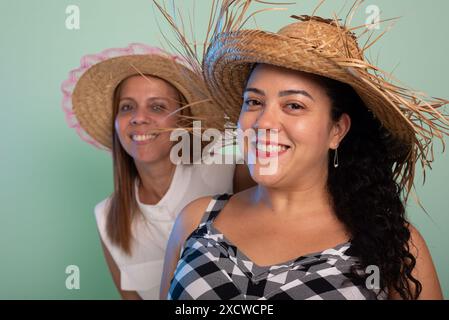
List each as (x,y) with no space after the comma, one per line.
(125,107)
(252,104)
(158,108)
(294,106)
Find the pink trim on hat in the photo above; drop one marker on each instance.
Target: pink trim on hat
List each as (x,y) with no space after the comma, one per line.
(87,61)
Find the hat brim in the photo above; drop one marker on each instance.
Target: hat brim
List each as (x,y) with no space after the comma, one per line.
(231,56)
(94,92)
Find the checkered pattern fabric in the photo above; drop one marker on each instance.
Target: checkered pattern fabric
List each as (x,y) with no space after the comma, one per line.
(212,268)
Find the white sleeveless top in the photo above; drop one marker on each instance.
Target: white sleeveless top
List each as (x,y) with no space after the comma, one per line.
(142,271)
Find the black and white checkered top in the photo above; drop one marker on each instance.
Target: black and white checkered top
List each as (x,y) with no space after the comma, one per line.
(212,268)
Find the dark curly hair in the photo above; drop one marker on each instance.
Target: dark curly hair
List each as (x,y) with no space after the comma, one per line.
(365,196)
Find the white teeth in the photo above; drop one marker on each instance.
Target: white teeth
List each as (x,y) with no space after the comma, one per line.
(143,137)
(271,147)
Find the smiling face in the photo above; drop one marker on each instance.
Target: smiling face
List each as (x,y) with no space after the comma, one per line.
(296,106)
(144,106)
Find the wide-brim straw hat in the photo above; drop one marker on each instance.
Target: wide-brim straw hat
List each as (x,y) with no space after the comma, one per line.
(89,90)
(326,48)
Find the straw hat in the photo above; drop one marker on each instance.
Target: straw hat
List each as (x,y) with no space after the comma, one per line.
(326,48)
(89,90)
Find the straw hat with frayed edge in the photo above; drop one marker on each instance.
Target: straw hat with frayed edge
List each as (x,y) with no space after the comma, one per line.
(89,90)
(326,48)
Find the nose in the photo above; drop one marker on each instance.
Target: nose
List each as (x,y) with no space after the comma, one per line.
(268,119)
(140,116)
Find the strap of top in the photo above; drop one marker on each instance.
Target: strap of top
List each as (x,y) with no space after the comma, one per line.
(216,204)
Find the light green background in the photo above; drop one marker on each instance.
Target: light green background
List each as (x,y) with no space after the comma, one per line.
(50,180)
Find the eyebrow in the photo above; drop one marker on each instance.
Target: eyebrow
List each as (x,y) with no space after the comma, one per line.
(258,91)
(149,99)
(292,92)
(282,93)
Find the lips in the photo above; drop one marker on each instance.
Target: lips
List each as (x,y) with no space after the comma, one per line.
(266,149)
(143,137)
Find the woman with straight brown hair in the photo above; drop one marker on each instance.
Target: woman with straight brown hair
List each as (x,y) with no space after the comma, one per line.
(129,101)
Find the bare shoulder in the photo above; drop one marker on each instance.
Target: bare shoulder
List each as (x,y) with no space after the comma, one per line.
(424,270)
(418,248)
(417,244)
(190,217)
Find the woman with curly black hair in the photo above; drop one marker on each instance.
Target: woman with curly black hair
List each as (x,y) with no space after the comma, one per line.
(369,204)
(332,146)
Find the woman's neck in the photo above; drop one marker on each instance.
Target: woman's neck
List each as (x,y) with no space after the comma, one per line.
(297,202)
(155,180)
